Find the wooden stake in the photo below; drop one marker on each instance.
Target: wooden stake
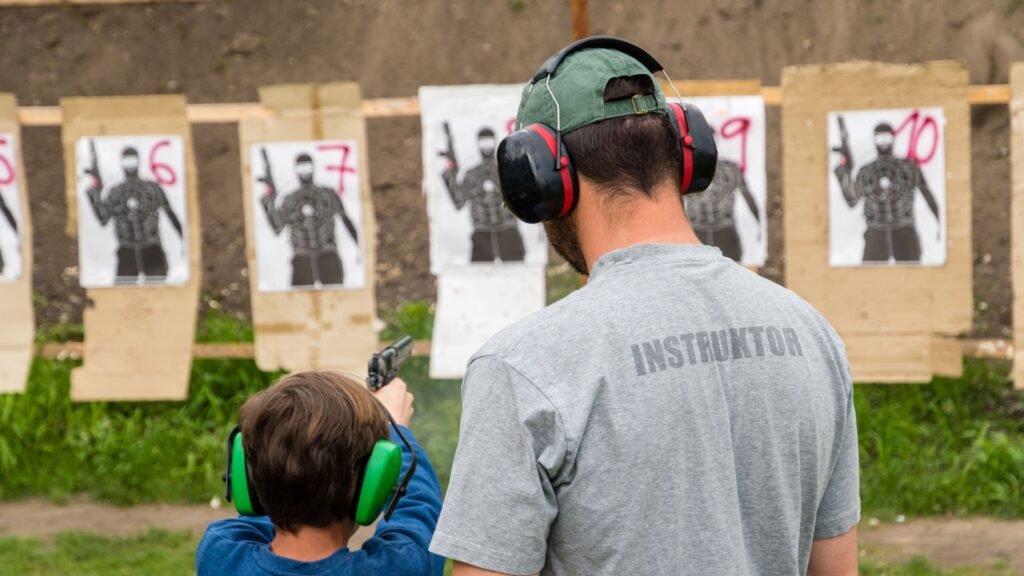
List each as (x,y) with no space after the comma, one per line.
(580,19)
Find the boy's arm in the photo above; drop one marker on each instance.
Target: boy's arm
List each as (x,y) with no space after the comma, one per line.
(405,538)
(400,544)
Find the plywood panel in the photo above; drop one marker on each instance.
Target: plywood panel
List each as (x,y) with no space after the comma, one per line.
(908,306)
(1017,218)
(17,328)
(138,340)
(317,329)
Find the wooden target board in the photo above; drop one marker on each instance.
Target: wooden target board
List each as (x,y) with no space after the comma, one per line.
(1017,218)
(311,232)
(17,330)
(897,320)
(140,315)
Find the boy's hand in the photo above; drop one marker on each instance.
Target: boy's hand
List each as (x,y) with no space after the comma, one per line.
(398,401)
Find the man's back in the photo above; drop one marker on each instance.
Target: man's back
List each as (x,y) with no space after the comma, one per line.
(678,415)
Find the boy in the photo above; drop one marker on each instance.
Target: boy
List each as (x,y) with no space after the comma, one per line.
(305,441)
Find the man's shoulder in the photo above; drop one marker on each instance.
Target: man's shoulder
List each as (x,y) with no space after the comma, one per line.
(533,336)
(769,293)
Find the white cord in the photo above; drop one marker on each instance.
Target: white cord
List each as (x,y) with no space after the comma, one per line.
(558,109)
(673,85)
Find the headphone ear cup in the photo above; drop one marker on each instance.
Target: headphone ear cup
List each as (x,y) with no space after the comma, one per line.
(536,176)
(697,145)
(379,481)
(705,150)
(240,488)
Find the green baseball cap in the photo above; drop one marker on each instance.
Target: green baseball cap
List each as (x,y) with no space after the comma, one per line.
(578,85)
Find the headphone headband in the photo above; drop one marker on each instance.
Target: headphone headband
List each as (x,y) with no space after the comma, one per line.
(550,65)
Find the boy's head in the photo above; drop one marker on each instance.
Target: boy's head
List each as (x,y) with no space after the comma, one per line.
(305,439)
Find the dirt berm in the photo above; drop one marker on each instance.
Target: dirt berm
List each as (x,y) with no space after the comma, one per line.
(223,50)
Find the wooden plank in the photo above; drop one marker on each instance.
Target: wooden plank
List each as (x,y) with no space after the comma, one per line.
(221,350)
(17,329)
(410,106)
(13,3)
(887,315)
(714,87)
(991,348)
(303,329)
(988,94)
(1017,217)
(138,340)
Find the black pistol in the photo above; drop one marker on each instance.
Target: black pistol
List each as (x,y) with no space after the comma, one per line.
(384,365)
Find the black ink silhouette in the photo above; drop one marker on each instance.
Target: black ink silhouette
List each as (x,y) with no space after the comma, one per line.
(134,205)
(308,213)
(495,231)
(9,216)
(887,187)
(711,212)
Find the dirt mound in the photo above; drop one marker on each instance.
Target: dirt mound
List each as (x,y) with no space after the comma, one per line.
(223,51)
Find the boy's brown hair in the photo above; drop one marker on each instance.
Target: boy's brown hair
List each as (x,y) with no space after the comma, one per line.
(305,440)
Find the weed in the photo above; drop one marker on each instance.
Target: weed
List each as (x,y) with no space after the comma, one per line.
(955,446)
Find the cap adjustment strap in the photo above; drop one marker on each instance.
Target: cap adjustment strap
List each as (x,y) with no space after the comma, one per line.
(638,105)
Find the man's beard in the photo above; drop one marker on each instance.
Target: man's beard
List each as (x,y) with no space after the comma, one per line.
(565,241)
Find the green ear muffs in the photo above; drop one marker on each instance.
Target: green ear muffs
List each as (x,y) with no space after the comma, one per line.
(378,484)
(238,487)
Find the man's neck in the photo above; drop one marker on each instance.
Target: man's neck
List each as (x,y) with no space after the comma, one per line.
(310,543)
(659,219)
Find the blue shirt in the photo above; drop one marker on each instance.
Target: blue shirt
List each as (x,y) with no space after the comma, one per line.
(398,548)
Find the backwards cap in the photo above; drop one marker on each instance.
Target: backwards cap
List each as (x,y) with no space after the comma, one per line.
(579,83)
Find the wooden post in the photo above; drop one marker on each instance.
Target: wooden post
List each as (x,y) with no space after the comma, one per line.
(580,20)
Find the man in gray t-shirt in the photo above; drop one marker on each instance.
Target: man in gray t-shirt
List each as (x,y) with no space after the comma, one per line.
(678,414)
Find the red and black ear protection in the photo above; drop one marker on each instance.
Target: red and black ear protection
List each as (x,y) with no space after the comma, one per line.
(697,145)
(537,179)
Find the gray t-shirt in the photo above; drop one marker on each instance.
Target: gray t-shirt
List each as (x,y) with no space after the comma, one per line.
(678,415)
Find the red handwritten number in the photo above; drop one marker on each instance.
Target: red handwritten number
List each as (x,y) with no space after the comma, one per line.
(342,168)
(917,125)
(163,173)
(6,168)
(737,127)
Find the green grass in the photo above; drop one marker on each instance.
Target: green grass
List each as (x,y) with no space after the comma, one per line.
(953,447)
(156,553)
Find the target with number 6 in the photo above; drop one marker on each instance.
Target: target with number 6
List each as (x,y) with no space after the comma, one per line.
(132,211)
